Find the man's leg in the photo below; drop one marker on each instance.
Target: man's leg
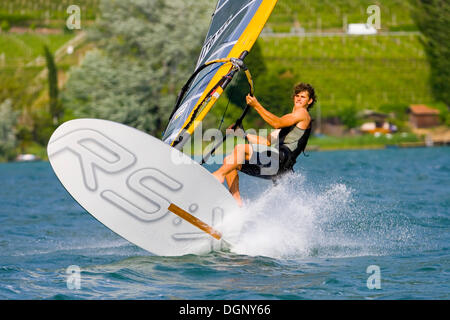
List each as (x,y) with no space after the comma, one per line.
(233,185)
(233,161)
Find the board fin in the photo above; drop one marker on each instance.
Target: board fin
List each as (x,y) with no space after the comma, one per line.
(195,221)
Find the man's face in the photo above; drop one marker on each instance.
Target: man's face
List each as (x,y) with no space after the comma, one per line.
(302,99)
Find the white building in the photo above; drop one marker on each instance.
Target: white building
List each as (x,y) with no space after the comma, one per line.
(360,28)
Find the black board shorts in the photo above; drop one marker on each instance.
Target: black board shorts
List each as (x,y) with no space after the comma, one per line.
(265,162)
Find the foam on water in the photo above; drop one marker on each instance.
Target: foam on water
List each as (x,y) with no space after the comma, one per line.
(311,237)
(291,220)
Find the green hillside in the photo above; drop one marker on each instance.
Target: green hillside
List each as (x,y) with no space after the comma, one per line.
(19,63)
(311,15)
(331,14)
(44,12)
(348,71)
(360,72)
(351,73)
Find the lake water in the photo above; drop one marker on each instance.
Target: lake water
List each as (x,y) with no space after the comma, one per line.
(348,225)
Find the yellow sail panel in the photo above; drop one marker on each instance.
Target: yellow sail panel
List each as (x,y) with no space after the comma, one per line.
(234,28)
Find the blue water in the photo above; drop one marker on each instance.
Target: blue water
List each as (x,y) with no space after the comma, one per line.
(311,237)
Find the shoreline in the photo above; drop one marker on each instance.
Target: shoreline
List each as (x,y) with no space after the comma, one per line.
(403,145)
(313,148)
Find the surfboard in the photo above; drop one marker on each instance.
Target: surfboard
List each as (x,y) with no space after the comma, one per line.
(147,192)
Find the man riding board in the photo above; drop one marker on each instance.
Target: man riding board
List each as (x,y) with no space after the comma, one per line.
(271,156)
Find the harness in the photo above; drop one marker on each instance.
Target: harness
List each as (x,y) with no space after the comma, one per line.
(288,158)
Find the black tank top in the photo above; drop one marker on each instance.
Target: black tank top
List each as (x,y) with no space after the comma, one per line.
(288,156)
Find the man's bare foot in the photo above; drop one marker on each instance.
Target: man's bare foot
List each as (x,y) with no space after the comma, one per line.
(219,177)
(239,201)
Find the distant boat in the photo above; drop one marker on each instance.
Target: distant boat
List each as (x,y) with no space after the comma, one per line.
(27,158)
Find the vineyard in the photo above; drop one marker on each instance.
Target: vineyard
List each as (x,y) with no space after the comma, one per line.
(21,61)
(360,72)
(348,71)
(329,14)
(20,49)
(310,15)
(42,12)
(350,74)
(384,73)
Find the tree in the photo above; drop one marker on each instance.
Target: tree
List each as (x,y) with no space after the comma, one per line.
(348,116)
(5,26)
(239,88)
(53,91)
(275,90)
(8,119)
(146,51)
(433,18)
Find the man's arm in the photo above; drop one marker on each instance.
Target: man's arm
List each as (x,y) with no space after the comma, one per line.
(274,121)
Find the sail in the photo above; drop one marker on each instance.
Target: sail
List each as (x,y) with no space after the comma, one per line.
(234,28)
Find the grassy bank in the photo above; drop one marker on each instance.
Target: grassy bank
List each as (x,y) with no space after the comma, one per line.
(366,141)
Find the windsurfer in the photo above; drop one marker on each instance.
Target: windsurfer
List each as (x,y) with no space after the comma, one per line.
(281,147)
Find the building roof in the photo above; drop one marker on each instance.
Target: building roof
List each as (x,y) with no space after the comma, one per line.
(421,109)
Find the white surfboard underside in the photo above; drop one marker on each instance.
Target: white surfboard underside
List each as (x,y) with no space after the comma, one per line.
(127,179)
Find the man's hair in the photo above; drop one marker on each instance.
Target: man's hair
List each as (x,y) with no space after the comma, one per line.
(308,88)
